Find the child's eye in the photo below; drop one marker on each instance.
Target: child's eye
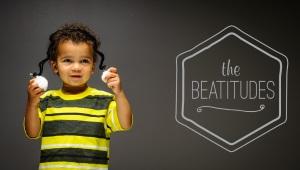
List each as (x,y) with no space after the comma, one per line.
(67,60)
(85,61)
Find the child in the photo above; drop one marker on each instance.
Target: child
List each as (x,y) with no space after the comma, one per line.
(76,121)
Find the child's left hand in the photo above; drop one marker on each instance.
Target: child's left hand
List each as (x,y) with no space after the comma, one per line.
(113,80)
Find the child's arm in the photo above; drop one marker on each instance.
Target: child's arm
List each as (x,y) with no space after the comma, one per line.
(123,106)
(32,120)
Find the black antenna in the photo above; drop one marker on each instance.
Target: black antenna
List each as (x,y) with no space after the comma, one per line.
(101,66)
(41,65)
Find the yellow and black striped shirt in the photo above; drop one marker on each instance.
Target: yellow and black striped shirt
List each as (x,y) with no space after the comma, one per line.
(76,129)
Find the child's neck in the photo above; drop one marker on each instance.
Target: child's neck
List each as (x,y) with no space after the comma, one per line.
(74,90)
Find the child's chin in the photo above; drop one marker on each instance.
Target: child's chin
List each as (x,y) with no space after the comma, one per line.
(75,84)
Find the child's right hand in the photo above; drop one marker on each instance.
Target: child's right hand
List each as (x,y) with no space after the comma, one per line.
(34,92)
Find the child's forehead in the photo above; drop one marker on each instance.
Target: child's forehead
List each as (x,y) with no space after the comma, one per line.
(72,47)
(69,42)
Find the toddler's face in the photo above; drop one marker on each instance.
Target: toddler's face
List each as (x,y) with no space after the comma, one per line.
(74,63)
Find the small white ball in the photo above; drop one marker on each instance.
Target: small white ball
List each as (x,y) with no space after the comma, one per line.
(104,76)
(42,82)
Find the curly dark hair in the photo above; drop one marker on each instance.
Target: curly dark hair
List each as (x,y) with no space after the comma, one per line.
(76,32)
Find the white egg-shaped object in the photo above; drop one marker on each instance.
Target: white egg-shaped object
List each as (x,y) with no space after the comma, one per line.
(42,82)
(104,76)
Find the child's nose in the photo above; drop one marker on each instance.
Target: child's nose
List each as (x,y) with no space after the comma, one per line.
(76,66)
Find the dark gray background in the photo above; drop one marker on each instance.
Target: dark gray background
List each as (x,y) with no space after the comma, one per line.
(142,39)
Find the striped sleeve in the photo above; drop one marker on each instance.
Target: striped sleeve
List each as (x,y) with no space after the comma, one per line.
(112,119)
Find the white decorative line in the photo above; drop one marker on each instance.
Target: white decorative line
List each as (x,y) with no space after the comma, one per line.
(261,107)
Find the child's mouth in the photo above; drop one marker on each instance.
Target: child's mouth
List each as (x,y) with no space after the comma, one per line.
(76,76)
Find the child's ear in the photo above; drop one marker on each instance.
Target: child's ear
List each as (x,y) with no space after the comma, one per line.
(53,65)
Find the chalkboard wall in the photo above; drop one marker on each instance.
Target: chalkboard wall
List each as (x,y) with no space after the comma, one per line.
(143,39)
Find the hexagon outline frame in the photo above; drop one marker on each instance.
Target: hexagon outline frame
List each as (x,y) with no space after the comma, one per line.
(233,30)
